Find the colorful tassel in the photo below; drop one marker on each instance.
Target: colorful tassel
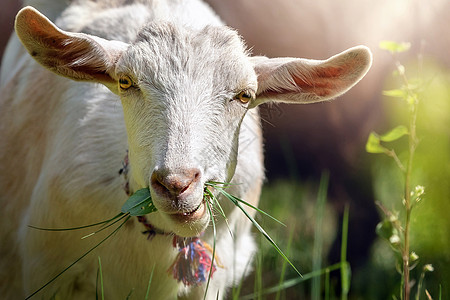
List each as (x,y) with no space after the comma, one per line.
(193,263)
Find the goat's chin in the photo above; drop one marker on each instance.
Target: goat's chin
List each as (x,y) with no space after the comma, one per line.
(182,224)
(190,229)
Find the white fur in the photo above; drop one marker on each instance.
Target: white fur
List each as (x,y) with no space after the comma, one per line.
(63,141)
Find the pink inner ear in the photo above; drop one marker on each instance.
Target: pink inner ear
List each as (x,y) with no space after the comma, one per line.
(44,31)
(293,80)
(323,80)
(330,72)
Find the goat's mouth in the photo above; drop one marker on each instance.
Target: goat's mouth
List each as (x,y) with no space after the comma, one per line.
(186,214)
(190,216)
(188,223)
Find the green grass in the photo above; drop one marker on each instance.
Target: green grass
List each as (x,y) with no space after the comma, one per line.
(271,278)
(99,281)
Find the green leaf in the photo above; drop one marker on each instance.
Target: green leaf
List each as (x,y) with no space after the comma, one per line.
(411,100)
(394,47)
(373,144)
(139,204)
(394,134)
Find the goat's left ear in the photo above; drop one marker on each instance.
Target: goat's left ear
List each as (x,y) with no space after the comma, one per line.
(296,80)
(74,55)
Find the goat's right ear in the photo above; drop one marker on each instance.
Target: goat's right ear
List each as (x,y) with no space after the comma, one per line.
(74,55)
(296,80)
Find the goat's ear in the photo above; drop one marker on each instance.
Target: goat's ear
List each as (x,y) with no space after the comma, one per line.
(74,55)
(295,80)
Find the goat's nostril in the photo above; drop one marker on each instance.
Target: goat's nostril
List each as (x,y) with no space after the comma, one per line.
(174,183)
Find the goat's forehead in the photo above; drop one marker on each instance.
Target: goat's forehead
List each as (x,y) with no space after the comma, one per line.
(167,50)
(166,34)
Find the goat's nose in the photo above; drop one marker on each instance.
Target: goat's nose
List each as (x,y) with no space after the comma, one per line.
(173,184)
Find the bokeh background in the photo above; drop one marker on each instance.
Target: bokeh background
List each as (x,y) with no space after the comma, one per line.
(305,142)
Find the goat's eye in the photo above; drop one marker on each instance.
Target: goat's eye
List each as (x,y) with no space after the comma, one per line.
(244,97)
(125,82)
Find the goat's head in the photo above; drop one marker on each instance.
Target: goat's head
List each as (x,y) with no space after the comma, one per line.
(185,93)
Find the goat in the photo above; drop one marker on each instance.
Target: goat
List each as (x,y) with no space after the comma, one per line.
(189,92)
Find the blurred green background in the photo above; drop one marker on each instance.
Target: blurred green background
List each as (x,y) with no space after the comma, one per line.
(295,203)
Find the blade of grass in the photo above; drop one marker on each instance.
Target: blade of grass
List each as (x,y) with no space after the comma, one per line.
(345,266)
(283,267)
(327,284)
(221,184)
(237,291)
(220,189)
(100,274)
(260,211)
(150,283)
(294,281)
(78,259)
(256,224)
(96,285)
(219,209)
(79,227)
(213,256)
(258,286)
(129,294)
(318,236)
(105,227)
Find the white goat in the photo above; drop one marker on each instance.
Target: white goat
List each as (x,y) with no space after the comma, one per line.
(189,91)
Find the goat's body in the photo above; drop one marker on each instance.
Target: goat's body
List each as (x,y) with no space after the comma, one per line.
(62,146)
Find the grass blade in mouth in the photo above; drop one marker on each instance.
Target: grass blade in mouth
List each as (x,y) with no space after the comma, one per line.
(79,227)
(221,186)
(138,204)
(218,208)
(105,227)
(238,202)
(213,254)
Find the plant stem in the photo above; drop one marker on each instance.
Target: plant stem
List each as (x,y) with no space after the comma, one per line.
(412,141)
(408,206)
